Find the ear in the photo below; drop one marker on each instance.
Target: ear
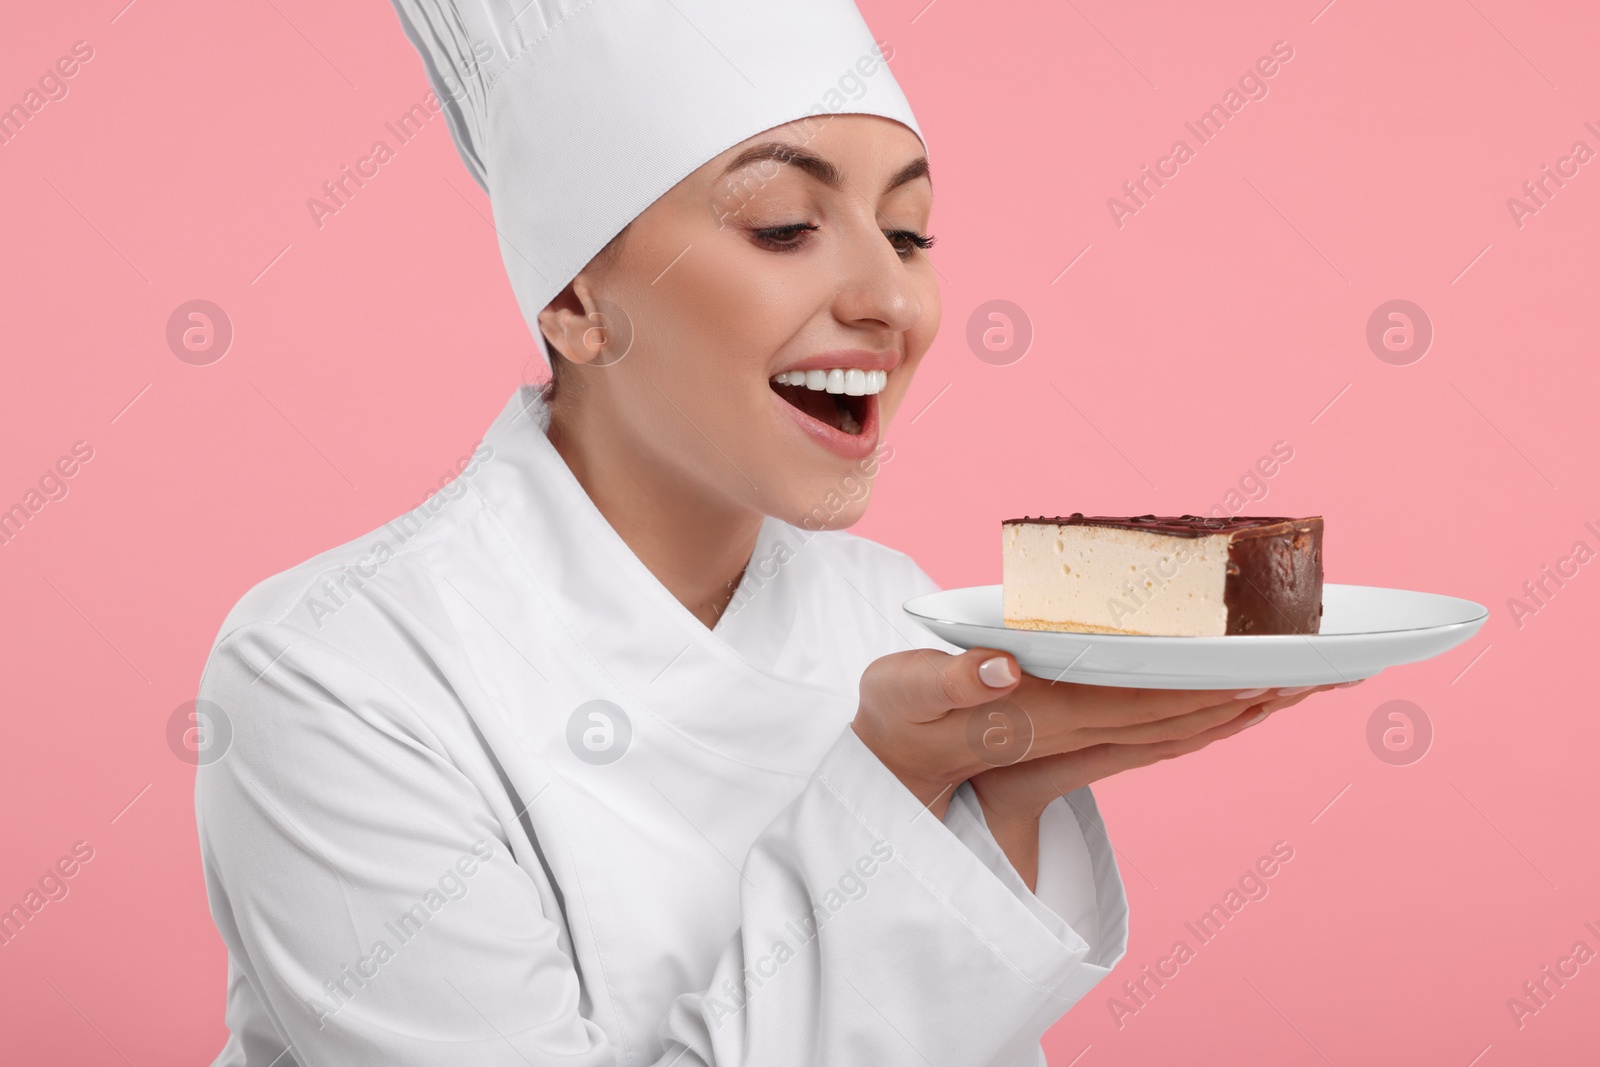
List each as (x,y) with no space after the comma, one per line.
(572,323)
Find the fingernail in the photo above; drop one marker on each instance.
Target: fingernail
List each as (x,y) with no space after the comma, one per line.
(1295,689)
(1347,685)
(1248,693)
(1256,718)
(996,673)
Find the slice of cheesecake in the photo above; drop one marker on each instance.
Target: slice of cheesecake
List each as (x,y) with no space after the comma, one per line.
(1181,576)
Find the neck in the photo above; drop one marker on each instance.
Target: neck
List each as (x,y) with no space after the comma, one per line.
(696,545)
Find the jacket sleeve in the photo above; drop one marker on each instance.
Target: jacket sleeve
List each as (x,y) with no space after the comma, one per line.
(375,913)
(874,933)
(369,892)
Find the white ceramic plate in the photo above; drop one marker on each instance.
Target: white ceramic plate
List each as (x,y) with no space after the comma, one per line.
(1364,629)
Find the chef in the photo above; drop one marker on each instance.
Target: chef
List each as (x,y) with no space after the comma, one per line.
(619,749)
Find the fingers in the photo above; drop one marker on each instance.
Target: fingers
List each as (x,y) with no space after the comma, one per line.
(1254,715)
(923,684)
(1251,716)
(1176,728)
(1114,706)
(1273,706)
(1072,769)
(1114,758)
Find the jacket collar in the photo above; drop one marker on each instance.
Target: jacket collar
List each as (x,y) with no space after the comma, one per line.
(717,684)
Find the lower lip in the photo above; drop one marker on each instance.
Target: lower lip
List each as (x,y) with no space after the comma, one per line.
(849,445)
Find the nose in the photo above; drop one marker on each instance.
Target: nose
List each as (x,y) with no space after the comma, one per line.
(875,289)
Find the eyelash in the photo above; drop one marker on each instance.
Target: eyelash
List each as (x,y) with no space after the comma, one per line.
(769,238)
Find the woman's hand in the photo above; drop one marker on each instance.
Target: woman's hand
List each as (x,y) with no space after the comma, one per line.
(1015,795)
(936,720)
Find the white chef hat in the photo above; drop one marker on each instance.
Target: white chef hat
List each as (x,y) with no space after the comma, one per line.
(576,115)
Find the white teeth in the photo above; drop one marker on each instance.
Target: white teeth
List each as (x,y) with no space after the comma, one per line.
(851,381)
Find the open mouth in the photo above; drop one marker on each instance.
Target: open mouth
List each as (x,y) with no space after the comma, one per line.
(843,399)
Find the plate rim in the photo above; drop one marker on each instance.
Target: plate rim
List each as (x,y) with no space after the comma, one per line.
(1230,638)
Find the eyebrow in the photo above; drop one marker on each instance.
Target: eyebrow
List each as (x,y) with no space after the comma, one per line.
(819,168)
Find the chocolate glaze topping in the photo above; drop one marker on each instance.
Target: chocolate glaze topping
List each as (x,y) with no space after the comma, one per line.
(1274,583)
(1176,525)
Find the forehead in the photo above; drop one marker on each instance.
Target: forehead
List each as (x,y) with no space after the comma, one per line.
(833,150)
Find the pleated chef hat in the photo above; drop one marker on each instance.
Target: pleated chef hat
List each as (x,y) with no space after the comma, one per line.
(576,115)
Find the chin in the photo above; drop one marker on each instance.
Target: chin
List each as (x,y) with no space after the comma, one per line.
(833,504)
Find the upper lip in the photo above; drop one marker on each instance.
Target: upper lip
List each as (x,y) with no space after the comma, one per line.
(846,358)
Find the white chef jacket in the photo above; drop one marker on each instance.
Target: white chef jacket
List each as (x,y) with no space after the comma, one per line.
(492,796)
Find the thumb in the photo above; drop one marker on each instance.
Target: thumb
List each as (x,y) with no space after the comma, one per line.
(923,684)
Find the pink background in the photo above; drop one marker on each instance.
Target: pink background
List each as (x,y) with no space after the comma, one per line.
(1227,314)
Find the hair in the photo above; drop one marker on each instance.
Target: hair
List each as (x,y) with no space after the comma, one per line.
(606,256)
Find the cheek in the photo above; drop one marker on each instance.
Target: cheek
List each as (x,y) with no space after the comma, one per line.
(728,313)
(705,329)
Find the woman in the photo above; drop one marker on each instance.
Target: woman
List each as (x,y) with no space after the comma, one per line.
(621,751)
